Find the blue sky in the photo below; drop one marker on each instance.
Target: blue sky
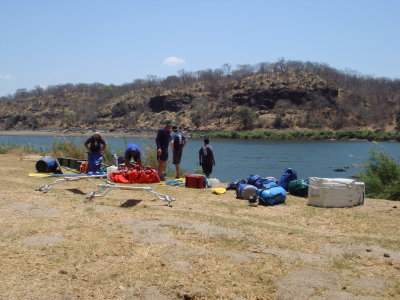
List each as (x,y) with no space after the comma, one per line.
(49,42)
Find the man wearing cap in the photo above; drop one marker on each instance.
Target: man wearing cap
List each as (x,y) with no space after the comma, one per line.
(95,146)
(163,139)
(132,151)
(177,143)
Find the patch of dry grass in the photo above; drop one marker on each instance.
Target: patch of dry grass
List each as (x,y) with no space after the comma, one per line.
(130,245)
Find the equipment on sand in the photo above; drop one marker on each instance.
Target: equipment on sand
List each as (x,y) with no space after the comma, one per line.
(335,192)
(103,189)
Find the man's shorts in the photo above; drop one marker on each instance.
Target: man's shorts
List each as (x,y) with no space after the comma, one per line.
(163,156)
(177,155)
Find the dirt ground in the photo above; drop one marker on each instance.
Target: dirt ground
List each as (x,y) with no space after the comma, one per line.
(130,245)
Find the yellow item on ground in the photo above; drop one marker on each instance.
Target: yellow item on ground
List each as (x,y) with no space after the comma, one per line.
(40,174)
(219,190)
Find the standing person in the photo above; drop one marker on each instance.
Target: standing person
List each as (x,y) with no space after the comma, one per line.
(163,139)
(206,157)
(177,143)
(132,151)
(95,146)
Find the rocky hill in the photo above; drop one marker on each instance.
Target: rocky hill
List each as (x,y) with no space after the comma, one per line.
(281,95)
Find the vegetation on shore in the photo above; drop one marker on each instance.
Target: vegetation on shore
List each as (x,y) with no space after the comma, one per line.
(314,135)
(381,177)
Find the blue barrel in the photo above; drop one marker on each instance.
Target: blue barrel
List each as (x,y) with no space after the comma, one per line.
(46,165)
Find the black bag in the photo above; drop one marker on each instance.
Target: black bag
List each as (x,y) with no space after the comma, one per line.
(234,184)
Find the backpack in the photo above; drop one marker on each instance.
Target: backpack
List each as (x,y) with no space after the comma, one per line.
(245,191)
(288,175)
(178,140)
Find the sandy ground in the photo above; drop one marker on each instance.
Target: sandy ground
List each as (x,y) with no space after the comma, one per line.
(130,245)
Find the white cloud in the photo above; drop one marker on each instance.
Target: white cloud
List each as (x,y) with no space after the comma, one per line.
(173,61)
(6,76)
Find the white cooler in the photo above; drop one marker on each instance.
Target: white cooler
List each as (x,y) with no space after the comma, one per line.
(335,192)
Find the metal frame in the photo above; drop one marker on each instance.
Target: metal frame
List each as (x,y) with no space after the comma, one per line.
(48,186)
(104,189)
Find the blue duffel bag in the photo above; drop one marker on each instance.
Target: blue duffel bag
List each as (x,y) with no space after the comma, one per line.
(251,179)
(272,196)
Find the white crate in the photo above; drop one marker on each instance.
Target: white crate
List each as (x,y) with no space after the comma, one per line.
(335,192)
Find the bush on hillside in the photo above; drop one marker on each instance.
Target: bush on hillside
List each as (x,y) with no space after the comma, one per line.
(381,177)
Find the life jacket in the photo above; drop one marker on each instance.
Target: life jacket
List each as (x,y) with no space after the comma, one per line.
(135,175)
(178,141)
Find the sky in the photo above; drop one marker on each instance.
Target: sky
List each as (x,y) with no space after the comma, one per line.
(50,42)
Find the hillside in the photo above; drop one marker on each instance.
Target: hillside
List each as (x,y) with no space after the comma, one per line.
(275,96)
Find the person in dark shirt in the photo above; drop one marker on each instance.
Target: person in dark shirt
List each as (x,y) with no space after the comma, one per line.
(206,157)
(132,151)
(95,146)
(177,143)
(163,139)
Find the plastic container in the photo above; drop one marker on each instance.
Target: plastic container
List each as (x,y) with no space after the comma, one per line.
(115,156)
(213,182)
(110,170)
(46,165)
(335,192)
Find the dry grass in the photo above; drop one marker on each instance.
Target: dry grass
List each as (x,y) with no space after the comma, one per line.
(127,245)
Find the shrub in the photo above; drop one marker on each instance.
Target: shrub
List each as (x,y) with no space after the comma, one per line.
(149,158)
(381,177)
(68,149)
(15,148)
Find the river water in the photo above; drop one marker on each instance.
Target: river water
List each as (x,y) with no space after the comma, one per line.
(237,159)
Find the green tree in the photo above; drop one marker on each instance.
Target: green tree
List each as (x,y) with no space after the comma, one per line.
(246,117)
(397,119)
(381,176)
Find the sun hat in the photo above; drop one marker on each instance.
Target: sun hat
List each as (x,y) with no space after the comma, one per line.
(169,122)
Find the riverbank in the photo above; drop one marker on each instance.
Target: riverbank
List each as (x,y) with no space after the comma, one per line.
(307,135)
(130,245)
(271,134)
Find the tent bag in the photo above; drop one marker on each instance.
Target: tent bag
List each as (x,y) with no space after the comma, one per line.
(46,165)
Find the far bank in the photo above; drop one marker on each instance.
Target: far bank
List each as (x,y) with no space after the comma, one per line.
(269,134)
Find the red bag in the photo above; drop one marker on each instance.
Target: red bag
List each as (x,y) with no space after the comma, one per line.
(133,176)
(144,178)
(154,178)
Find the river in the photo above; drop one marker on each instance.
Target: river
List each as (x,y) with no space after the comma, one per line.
(237,159)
